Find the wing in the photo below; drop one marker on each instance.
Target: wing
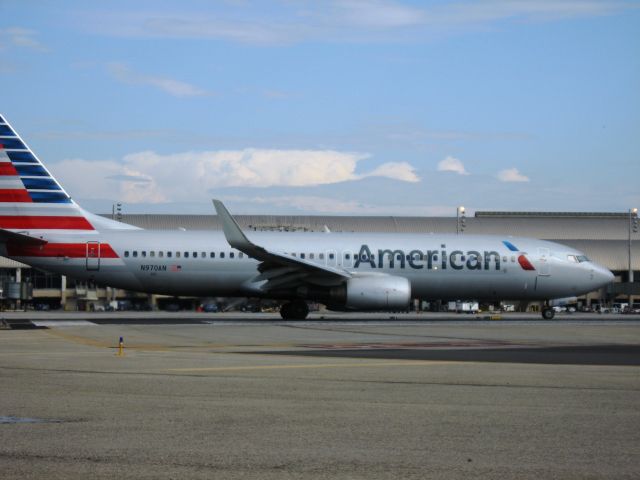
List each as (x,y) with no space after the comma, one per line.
(277,270)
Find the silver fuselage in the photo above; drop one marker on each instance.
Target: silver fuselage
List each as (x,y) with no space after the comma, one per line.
(437,266)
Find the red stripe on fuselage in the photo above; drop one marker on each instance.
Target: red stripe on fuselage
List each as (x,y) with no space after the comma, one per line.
(14,195)
(7,169)
(70,250)
(40,222)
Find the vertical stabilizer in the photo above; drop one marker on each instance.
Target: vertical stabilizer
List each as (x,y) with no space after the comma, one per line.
(30,197)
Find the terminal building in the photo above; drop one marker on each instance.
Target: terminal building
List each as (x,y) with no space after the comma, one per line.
(606,238)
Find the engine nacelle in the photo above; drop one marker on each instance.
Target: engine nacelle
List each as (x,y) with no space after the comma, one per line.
(377,293)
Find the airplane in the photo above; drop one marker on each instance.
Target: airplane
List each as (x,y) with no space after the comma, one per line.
(41,226)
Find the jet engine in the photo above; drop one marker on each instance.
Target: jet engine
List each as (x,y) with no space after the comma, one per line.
(375,293)
(370,292)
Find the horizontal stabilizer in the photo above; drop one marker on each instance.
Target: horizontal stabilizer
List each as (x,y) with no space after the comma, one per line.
(7,236)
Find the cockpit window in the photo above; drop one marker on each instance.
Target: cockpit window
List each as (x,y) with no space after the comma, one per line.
(582,258)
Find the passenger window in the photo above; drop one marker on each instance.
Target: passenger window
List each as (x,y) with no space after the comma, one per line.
(152,253)
(399,257)
(212,255)
(302,255)
(221,254)
(504,259)
(321,256)
(160,254)
(195,254)
(513,258)
(203,254)
(126,253)
(169,254)
(294,254)
(241,255)
(311,256)
(135,253)
(331,256)
(177,254)
(231,254)
(347,256)
(144,254)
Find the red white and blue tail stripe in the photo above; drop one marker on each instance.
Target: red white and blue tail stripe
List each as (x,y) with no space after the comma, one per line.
(31,199)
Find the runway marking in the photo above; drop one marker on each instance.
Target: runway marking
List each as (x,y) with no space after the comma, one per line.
(311,366)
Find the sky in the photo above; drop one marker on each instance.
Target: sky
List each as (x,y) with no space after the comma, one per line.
(339,107)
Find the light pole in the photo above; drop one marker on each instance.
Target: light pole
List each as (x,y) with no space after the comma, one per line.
(116,211)
(460,220)
(633,228)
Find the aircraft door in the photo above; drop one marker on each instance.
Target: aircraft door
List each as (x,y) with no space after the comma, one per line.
(543,262)
(93,255)
(543,279)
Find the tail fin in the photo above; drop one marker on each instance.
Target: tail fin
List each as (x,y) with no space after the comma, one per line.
(31,199)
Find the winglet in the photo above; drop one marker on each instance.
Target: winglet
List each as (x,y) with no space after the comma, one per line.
(231,229)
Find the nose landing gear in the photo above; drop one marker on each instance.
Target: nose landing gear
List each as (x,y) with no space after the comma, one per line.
(294,310)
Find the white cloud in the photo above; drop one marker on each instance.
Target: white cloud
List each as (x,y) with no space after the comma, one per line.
(378,13)
(402,171)
(452,164)
(21,37)
(340,20)
(512,175)
(125,74)
(151,177)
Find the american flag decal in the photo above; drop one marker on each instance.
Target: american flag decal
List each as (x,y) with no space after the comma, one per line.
(175,268)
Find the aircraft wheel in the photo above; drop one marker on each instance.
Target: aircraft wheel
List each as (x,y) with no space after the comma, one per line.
(548,313)
(285,311)
(295,310)
(299,310)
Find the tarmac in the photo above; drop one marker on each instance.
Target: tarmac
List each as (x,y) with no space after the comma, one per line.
(336,396)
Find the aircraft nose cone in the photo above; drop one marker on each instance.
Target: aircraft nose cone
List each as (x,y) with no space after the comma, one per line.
(602,276)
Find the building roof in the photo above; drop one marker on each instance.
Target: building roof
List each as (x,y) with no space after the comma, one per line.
(579,226)
(602,236)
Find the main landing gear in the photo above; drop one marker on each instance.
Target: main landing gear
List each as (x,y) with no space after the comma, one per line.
(548,313)
(294,310)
